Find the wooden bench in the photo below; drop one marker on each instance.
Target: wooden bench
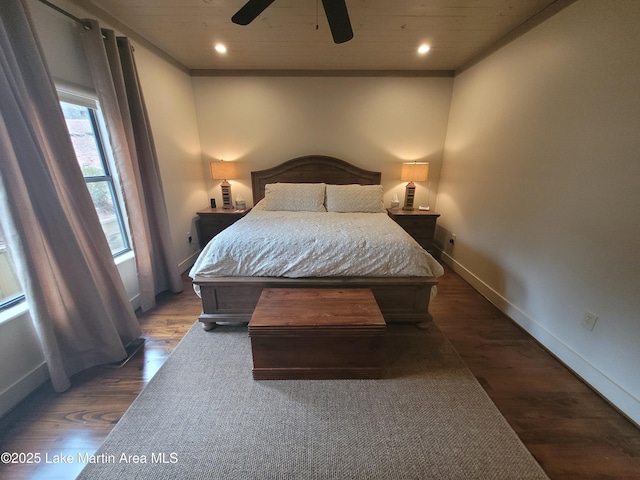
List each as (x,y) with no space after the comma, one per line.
(316,333)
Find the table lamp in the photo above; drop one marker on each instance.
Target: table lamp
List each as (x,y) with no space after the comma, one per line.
(221,170)
(413,172)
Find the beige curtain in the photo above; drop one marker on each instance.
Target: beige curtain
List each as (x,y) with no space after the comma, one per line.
(115,78)
(76,298)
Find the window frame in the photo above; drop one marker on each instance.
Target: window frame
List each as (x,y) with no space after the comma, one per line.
(110,176)
(15,299)
(109,179)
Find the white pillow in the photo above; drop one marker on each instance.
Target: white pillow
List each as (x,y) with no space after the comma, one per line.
(354,198)
(297,197)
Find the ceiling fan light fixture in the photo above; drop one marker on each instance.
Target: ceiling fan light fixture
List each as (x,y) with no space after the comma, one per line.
(424,48)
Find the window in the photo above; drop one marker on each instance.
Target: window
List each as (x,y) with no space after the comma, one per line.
(85,127)
(10,289)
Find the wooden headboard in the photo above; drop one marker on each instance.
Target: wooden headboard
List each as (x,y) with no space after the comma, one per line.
(312,169)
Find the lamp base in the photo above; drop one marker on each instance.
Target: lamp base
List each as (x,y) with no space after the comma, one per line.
(409,195)
(226,195)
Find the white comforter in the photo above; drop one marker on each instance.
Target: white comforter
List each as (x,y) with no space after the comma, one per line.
(314,244)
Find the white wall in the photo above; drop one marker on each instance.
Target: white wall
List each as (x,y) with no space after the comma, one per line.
(540,185)
(170,103)
(22,366)
(375,123)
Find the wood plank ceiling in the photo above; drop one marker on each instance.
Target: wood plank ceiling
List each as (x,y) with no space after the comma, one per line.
(387,34)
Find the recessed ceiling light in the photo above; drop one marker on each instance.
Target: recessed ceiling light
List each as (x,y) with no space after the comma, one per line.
(424,48)
(220,48)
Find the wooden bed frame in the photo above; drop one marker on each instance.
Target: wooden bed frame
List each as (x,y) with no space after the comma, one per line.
(233,299)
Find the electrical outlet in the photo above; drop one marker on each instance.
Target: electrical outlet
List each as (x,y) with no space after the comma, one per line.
(189,237)
(452,240)
(589,320)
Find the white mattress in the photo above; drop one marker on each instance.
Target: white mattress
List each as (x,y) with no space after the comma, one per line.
(314,244)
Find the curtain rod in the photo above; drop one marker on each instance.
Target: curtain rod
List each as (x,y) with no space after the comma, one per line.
(64,12)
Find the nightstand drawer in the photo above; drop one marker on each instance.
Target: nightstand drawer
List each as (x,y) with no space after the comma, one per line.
(420,224)
(416,222)
(426,230)
(211,227)
(215,220)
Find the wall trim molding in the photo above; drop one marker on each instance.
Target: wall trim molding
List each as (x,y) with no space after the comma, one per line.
(186,264)
(320,73)
(609,390)
(19,390)
(104,16)
(540,17)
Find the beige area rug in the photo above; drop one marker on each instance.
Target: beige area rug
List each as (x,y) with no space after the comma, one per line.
(203,417)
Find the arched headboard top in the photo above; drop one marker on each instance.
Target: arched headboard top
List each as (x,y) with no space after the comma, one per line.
(312,169)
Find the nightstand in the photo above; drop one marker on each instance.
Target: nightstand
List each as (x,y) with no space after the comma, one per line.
(420,224)
(214,220)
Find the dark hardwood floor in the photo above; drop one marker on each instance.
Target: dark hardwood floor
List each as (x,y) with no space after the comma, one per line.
(571,431)
(78,421)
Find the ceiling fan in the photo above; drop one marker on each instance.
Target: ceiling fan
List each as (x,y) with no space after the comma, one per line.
(336,11)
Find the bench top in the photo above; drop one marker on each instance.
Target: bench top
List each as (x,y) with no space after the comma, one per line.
(316,308)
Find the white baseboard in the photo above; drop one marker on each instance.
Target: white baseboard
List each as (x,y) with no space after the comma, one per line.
(622,400)
(135,302)
(188,262)
(17,392)
(31,380)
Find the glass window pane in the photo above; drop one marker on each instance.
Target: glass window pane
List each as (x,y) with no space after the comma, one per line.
(84,140)
(103,201)
(10,289)
(85,135)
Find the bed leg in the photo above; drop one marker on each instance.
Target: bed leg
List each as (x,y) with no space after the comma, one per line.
(426,323)
(207,326)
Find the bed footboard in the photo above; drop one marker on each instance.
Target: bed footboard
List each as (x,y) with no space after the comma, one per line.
(233,299)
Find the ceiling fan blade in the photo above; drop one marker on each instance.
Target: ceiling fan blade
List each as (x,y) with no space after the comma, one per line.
(250,11)
(338,17)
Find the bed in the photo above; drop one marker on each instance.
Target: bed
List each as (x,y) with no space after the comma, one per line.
(309,201)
